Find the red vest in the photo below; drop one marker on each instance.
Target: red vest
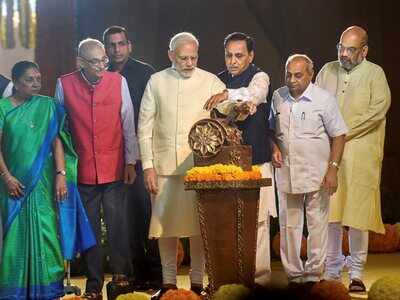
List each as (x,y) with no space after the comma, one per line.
(95,120)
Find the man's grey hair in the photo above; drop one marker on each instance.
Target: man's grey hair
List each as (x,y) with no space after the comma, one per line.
(305,58)
(87,44)
(182,38)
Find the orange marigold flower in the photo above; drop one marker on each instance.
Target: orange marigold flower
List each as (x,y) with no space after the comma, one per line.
(220,172)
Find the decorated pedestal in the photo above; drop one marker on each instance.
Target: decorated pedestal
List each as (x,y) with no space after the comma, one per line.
(227,202)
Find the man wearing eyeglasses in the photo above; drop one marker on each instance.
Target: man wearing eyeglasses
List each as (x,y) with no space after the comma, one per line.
(172,102)
(101,119)
(145,256)
(363,95)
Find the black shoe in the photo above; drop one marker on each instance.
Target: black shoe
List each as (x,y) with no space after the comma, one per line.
(294,285)
(199,290)
(357,286)
(300,290)
(154,284)
(157,295)
(308,285)
(139,285)
(142,284)
(92,296)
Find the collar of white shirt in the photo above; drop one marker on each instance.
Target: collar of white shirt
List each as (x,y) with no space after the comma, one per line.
(307,94)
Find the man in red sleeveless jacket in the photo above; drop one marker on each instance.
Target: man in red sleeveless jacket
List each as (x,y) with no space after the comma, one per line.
(101,119)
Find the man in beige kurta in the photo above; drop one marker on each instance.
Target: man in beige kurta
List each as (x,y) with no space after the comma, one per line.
(172,102)
(364,98)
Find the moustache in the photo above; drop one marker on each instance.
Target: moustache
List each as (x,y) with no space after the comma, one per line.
(342,58)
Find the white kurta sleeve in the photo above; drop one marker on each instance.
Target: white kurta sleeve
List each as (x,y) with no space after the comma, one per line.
(145,126)
(59,93)
(131,149)
(8,90)
(256,91)
(217,86)
(333,119)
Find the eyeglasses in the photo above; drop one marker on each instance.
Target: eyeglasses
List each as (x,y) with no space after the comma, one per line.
(96,62)
(350,50)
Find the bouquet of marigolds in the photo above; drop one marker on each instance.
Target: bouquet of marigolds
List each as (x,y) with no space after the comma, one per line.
(220,172)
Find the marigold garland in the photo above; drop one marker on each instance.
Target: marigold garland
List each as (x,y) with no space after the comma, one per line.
(221,172)
(180,294)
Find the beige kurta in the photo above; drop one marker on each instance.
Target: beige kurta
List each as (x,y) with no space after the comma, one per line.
(170,106)
(364,98)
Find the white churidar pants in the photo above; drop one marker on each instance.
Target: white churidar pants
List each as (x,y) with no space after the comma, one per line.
(263,256)
(168,252)
(267,208)
(291,222)
(335,260)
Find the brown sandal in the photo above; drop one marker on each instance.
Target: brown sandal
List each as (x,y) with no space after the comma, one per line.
(357,286)
(120,280)
(92,296)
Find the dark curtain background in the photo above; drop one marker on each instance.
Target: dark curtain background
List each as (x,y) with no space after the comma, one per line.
(56,40)
(280,28)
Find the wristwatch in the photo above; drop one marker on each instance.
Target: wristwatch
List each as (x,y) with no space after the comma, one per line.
(61,172)
(334,164)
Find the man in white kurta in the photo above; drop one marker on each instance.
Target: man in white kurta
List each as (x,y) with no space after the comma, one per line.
(309,144)
(172,102)
(249,85)
(364,98)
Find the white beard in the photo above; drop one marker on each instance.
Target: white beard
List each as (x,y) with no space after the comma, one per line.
(183,73)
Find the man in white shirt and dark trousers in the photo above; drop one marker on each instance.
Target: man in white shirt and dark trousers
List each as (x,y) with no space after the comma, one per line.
(248,90)
(309,142)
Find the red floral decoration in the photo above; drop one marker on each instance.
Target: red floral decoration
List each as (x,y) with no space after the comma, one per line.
(397,227)
(384,243)
(180,294)
(329,290)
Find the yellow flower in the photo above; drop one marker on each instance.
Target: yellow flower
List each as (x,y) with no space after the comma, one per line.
(222,172)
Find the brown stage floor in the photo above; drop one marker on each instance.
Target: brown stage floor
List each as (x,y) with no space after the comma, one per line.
(378,265)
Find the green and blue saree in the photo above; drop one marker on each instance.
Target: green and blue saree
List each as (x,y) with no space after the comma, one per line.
(38,232)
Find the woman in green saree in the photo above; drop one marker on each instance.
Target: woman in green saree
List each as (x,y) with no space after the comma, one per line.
(38,198)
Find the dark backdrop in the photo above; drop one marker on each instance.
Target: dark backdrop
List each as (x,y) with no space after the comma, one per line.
(280,28)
